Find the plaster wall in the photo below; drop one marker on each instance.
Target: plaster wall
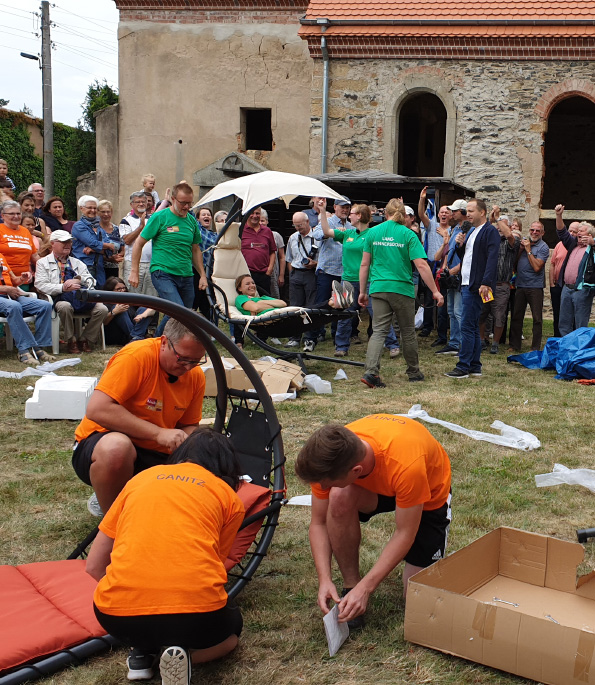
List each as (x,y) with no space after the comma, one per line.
(496,119)
(188,82)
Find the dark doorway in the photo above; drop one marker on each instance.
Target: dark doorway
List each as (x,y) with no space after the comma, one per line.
(422,136)
(569,173)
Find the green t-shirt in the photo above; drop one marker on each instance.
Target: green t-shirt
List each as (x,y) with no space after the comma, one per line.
(353,246)
(242,299)
(173,238)
(392,248)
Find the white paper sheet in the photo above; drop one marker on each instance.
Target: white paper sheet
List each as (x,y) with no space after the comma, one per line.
(336,633)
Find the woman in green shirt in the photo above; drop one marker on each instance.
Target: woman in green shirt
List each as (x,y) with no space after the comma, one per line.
(353,246)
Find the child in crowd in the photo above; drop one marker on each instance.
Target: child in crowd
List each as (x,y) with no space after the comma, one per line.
(159,559)
(4,175)
(148,182)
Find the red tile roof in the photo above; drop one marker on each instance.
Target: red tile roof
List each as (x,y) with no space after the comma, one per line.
(449,10)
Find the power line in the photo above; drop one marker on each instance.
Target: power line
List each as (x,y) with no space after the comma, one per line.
(15,35)
(94,74)
(18,9)
(60,27)
(104,52)
(94,59)
(106,21)
(19,16)
(14,28)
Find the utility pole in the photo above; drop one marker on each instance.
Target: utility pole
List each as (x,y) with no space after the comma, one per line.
(48,121)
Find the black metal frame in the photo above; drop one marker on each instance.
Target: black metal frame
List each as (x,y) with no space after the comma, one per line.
(281,324)
(204,330)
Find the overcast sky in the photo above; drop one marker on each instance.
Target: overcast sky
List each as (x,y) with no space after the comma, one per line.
(84,34)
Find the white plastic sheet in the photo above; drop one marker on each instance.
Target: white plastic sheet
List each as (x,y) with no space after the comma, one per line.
(315,384)
(563,475)
(340,375)
(419,318)
(41,370)
(301,500)
(510,436)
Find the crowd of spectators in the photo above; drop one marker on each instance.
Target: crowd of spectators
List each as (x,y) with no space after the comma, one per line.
(463,271)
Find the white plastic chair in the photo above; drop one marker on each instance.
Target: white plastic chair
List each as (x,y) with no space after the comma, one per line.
(28,320)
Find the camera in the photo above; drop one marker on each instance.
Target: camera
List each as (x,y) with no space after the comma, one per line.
(311,255)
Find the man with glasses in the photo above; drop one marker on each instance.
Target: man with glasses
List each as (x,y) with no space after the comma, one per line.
(147,402)
(301,260)
(176,247)
(38,192)
(530,283)
(130,229)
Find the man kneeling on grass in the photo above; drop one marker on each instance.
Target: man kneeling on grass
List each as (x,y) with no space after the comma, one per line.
(377,464)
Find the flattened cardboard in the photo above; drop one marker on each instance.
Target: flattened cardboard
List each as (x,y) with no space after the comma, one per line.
(509,600)
(279,377)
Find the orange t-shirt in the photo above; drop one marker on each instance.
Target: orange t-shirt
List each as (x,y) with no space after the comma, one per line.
(17,248)
(173,527)
(411,464)
(134,379)
(5,271)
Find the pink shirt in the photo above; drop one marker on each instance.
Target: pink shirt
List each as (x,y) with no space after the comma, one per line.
(558,257)
(571,272)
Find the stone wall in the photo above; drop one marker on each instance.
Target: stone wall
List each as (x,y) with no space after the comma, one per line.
(497,115)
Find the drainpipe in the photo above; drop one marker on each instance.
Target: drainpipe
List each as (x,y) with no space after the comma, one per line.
(324,24)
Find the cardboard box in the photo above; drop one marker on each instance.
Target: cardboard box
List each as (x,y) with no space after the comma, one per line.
(280,377)
(509,600)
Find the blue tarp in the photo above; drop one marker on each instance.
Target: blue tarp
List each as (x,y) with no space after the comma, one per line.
(572,356)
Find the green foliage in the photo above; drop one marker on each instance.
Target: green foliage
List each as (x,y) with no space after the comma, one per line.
(74,155)
(3,102)
(99,96)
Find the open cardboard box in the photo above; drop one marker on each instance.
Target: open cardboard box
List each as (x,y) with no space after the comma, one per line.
(509,600)
(280,377)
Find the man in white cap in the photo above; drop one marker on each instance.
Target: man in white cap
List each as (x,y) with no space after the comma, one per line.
(59,275)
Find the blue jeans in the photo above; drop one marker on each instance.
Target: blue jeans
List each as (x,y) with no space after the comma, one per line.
(178,289)
(454,306)
(575,308)
(470,350)
(122,329)
(344,326)
(15,310)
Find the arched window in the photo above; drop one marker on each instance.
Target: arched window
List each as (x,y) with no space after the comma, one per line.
(569,172)
(422,136)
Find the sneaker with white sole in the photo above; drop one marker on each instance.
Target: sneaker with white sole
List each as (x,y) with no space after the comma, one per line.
(292,343)
(175,666)
(141,664)
(93,506)
(309,345)
(457,373)
(342,294)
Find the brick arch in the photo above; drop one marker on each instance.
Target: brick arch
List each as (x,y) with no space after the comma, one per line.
(571,87)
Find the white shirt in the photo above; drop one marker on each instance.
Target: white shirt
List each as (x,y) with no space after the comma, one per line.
(468,257)
(132,223)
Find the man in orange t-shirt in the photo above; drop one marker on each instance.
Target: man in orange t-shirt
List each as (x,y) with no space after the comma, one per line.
(147,402)
(377,464)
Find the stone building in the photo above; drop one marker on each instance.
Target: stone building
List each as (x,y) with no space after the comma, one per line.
(500,99)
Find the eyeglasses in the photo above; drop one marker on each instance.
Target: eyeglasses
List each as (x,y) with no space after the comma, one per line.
(11,214)
(535,230)
(90,209)
(183,204)
(190,363)
(121,289)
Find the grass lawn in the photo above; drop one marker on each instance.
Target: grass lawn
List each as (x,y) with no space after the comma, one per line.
(44,513)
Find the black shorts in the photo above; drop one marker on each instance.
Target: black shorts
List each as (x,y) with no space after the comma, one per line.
(191,631)
(432,535)
(81,457)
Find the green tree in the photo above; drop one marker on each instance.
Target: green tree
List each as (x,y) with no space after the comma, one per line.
(3,102)
(99,96)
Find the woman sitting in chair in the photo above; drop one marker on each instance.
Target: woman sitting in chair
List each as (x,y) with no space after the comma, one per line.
(249,303)
(159,559)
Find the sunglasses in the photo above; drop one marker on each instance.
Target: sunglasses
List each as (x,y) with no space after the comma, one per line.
(184,361)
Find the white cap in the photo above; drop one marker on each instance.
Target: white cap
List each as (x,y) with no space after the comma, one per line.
(409,211)
(61,236)
(458,205)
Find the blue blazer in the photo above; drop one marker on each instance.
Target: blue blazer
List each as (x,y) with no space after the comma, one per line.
(484,266)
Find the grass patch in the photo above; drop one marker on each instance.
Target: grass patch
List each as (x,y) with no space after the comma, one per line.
(44,513)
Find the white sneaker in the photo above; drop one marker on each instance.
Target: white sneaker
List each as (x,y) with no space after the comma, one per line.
(175,666)
(275,341)
(140,664)
(292,343)
(309,345)
(93,506)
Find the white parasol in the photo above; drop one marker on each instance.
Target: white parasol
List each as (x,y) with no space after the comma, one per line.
(256,189)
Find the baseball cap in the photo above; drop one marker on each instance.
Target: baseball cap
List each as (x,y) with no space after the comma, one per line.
(458,205)
(409,211)
(61,236)
(342,202)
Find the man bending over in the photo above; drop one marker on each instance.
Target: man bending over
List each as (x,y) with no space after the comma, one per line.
(374,465)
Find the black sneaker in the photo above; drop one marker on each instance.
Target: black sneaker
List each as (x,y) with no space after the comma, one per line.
(372,381)
(355,340)
(357,623)
(447,350)
(424,333)
(415,379)
(140,664)
(494,348)
(476,374)
(457,373)
(438,342)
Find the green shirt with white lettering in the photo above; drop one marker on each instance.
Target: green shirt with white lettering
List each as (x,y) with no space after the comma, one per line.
(353,246)
(173,237)
(392,248)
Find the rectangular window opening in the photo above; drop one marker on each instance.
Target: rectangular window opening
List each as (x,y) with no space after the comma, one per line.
(256,129)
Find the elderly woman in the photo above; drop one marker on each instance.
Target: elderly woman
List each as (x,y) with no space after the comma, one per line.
(111,260)
(90,240)
(16,253)
(16,244)
(54,215)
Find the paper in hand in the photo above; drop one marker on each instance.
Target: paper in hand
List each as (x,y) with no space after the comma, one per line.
(336,633)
